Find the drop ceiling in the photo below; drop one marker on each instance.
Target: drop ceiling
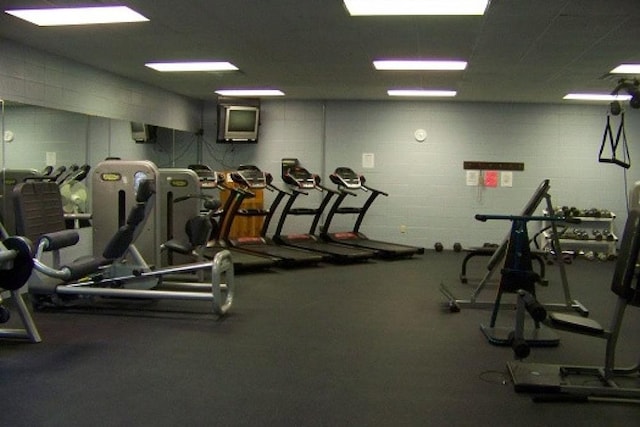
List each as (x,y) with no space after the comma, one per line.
(519,51)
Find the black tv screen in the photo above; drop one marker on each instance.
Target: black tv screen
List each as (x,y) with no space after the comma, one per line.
(238,123)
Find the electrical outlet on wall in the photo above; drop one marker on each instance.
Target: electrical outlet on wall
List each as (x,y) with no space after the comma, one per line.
(403,229)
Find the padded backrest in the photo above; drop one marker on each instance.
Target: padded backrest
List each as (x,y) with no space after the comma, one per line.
(623,283)
(118,244)
(536,199)
(127,234)
(199,229)
(38,209)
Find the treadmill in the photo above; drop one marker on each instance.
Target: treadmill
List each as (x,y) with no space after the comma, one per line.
(301,180)
(347,181)
(252,178)
(242,260)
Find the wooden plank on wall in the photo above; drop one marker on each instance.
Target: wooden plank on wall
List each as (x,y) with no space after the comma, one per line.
(501,166)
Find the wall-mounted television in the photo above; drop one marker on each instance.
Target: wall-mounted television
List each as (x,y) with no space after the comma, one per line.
(142,133)
(238,123)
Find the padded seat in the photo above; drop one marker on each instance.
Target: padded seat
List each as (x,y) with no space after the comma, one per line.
(579,324)
(198,230)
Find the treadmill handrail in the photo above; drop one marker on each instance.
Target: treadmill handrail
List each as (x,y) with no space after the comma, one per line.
(335,208)
(367,188)
(322,188)
(345,191)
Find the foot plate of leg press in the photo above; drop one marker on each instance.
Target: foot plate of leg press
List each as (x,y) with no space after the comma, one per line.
(541,337)
(535,377)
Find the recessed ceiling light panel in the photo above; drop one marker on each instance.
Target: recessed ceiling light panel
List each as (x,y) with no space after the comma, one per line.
(415,7)
(422,93)
(596,97)
(419,65)
(78,15)
(250,92)
(626,69)
(191,66)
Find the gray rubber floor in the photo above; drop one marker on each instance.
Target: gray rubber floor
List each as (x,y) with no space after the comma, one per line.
(358,345)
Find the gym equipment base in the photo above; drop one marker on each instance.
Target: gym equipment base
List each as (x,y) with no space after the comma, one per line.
(537,337)
(30,331)
(219,291)
(456,304)
(574,383)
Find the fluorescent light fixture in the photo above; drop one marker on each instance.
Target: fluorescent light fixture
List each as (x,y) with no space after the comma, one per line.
(191,66)
(78,15)
(250,92)
(422,93)
(415,7)
(596,97)
(420,65)
(626,69)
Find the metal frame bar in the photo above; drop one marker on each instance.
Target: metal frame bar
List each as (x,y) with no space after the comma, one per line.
(30,331)
(569,304)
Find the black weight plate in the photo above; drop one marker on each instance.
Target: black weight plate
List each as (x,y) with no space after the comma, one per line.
(17,276)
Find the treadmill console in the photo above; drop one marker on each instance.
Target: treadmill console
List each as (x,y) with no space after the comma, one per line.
(347,178)
(300,177)
(208,178)
(251,176)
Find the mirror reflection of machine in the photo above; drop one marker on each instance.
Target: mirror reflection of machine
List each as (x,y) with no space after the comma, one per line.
(75,203)
(10,178)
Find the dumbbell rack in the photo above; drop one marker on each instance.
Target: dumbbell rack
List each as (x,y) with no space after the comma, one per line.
(588,241)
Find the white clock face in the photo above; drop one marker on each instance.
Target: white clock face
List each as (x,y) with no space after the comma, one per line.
(420,135)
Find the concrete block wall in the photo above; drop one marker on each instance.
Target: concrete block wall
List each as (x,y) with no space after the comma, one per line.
(34,77)
(427,183)
(288,129)
(428,195)
(428,199)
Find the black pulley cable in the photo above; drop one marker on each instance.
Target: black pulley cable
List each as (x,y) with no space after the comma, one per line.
(608,137)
